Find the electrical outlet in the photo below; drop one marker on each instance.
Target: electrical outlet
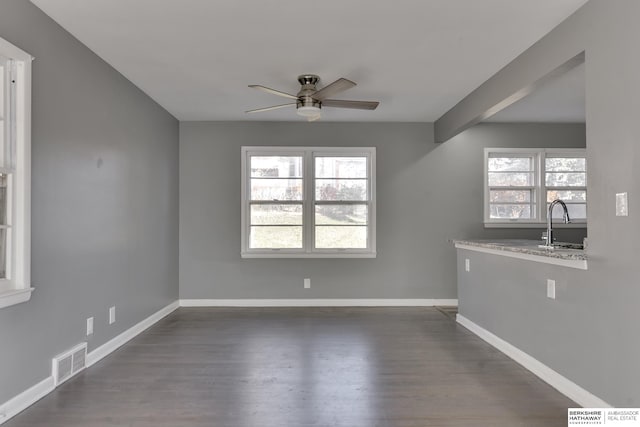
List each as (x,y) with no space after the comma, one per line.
(112,315)
(89,326)
(551,289)
(622,204)
(307,283)
(467,265)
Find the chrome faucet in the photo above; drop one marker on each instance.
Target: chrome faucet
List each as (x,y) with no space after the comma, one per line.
(549,238)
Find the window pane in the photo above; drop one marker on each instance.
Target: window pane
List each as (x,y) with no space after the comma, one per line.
(566,196)
(334,237)
(276,166)
(515,164)
(276,214)
(565,164)
(510,211)
(270,237)
(341,214)
(2,140)
(576,211)
(276,189)
(511,179)
(3,253)
(3,199)
(341,189)
(341,167)
(563,179)
(2,80)
(3,113)
(509,196)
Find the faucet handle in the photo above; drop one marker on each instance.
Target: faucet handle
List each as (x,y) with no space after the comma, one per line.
(544,235)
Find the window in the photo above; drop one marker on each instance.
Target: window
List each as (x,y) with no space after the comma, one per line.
(15,143)
(521,183)
(308,202)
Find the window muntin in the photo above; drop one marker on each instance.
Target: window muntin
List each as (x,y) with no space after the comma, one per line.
(308,202)
(520,184)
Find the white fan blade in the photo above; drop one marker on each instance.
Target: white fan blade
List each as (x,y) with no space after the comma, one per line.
(335,87)
(273,91)
(360,105)
(275,107)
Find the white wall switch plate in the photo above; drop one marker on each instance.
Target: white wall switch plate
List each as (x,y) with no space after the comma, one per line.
(307,283)
(112,315)
(622,204)
(467,264)
(90,326)
(551,289)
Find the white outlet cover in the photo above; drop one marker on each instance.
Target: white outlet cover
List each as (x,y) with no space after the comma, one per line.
(622,204)
(467,264)
(551,288)
(307,283)
(90,326)
(112,315)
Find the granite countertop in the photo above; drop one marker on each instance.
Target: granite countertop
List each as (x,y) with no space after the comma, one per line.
(566,251)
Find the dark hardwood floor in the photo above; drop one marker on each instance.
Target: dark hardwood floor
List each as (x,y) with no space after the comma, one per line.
(299,367)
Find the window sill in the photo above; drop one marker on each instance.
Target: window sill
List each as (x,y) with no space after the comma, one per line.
(533,225)
(15,296)
(308,255)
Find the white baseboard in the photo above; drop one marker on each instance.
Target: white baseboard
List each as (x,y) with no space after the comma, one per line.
(565,386)
(13,407)
(317,302)
(112,345)
(28,397)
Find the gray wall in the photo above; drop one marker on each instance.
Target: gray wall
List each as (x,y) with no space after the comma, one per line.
(104,202)
(606,301)
(427,193)
(508,297)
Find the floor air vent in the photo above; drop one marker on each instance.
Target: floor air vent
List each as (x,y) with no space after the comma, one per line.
(69,363)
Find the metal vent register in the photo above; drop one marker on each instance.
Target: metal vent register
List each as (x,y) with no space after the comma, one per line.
(69,363)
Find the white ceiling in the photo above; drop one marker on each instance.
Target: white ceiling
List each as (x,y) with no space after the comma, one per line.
(417,57)
(560,100)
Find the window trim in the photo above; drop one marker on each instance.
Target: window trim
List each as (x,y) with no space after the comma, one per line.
(540,189)
(308,202)
(17,288)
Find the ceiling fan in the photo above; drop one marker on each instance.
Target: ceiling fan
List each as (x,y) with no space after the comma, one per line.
(309,100)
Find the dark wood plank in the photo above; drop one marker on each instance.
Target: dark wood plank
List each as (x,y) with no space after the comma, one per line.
(279,367)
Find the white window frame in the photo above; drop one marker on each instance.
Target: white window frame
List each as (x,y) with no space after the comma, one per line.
(308,202)
(540,189)
(16,288)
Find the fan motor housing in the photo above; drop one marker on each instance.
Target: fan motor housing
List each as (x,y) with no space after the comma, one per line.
(308,79)
(307,101)
(305,96)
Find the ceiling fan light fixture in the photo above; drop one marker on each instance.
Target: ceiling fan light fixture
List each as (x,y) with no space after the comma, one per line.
(310,100)
(308,111)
